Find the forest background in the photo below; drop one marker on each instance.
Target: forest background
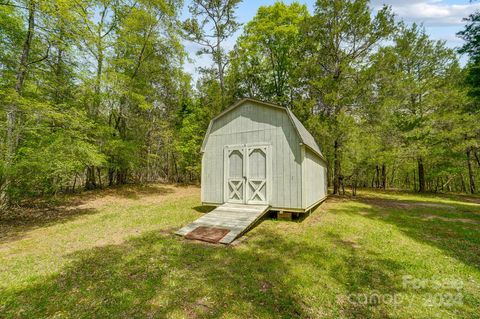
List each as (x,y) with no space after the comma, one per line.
(94,93)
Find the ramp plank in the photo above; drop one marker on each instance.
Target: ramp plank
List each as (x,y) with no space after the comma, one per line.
(237,218)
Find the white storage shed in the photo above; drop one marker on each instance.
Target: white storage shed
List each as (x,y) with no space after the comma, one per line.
(259,153)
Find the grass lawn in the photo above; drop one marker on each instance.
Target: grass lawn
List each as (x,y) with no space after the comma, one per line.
(112,254)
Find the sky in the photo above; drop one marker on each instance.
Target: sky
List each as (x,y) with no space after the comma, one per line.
(442,20)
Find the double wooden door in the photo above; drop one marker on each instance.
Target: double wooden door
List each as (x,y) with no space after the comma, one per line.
(247,171)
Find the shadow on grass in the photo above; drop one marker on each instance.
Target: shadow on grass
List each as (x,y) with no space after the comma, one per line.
(453,228)
(158,275)
(365,274)
(459,197)
(45,212)
(15,224)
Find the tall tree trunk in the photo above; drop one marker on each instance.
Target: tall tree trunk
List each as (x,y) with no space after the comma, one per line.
(477,158)
(414,181)
(98,83)
(99,174)
(220,76)
(336,168)
(421,175)
(23,67)
(392,178)
(354,184)
(471,177)
(384,176)
(219,62)
(74,183)
(463,188)
(111,175)
(59,93)
(377,176)
(90,181)
(12,110)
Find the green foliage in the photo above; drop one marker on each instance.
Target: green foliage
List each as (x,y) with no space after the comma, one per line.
(418,70)
(192,129)
(210,25)
(336,43)
(55,148)
(95,94)
(102,86)
(414,92)
(263,61)
(377,96)
(471,36)
(11,34)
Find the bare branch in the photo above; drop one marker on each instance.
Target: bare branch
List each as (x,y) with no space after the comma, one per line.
(42,58)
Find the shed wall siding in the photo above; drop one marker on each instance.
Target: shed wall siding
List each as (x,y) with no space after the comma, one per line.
(248,124)
(315,178)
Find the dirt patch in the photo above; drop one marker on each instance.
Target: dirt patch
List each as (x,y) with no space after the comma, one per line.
(332,199)
(397,204)
(16,222)
(351,242)
(321,215)
(198,308)
(450,219)
(468,199)
(265,286)
(364,213)
(153,194)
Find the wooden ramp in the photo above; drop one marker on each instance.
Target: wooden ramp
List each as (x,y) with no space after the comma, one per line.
(234,219)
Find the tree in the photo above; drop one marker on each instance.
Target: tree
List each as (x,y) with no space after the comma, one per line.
(100,94)
(336,43)
(212,23)
(420,71)
(146,84)
(471,36)
(98,20)
(95,94)
(12,107)
(263,62)
(49,144)
(191,130)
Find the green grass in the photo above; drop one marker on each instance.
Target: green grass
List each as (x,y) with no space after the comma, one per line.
(112,254)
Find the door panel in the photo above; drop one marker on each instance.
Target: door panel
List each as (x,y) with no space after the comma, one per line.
(257,173)
(236,163)
(235,190)
(234,175)
(258,163)
(247,174)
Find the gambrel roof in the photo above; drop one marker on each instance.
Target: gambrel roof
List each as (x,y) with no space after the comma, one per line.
(305,137)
